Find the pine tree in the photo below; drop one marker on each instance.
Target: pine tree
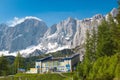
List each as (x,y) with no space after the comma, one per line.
(118,15)
(100,60)
(104,40)
(113,30)
(3,66)
(93,42)
(18,63)
(87,45)
(117,30)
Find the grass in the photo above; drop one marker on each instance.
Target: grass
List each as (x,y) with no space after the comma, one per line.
(7,78)
(48,76)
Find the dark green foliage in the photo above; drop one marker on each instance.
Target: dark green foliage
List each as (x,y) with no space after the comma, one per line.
(62,53)
(102,52)
(3,66)
(87,45)
(116,30)
(18,63)
(7,78)
(104,40)
(89,58)
(13,63)
(104,68)
(30,61)
(10,59)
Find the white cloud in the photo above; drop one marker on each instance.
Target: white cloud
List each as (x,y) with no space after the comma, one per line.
(17,20)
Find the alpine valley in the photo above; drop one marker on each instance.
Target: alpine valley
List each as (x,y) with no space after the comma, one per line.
(31,35)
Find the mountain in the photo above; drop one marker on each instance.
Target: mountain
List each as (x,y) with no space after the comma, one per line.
(60,35)
(83,25)
(31,36)
(22,35)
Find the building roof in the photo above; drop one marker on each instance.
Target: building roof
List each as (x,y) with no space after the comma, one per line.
(44,59)
(50,58)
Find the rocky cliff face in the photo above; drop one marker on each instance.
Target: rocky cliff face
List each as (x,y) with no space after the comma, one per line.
(32,36)
(22,35)
(60,35)
(83,25)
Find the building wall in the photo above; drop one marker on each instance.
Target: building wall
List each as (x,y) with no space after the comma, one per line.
(32,70)
(65,65)
(74,61)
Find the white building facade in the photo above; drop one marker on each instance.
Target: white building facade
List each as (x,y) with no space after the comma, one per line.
(63,64)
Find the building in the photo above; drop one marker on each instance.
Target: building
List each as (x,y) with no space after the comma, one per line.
(32,70)
(61,64)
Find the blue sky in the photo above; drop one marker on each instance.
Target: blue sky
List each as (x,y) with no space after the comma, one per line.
(53,11)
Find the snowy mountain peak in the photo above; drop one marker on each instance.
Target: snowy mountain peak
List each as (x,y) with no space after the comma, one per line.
(17,20)
(98,16)
(114,12)
(70,19)
(31,17)
(32,36)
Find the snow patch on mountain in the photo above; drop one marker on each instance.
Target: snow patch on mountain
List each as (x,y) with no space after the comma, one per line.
(34,37)
(59,48)
(114,12)
(17,20)
(52,45)
(67,38)
(52,36)
(24,52)
(6,53)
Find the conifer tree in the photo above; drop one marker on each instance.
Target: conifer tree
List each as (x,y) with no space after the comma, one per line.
(117,30)
(3,66)
(18,63)
(93,44)
(104,40)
